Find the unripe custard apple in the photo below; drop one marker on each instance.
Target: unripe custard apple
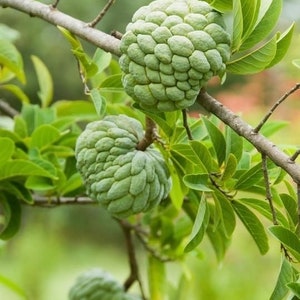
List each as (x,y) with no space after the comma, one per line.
(122,178)
(169,52)
(96,284)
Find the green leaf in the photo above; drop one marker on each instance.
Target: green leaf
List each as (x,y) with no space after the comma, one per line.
(87,66)
(250,10)
(101,59)
(253,225)
(221,5)
(271,128)
(234,143)
(18,190)
(217,139)
(290,206)
(4,281)
(99,101)
(199,227)
(12,215)
(44,136)
(79,109)
(283,44)
(230,167)
(295,288)
(228,216)
(288,238)
(249,177)
(255,61)
(73,183)
(72,39)
(177,193)
(112,83)
(45,81)
(203,153)
(197,182)
(7,148)
(156,278)
(237,25)
(263,207)
(20,167)
(11,58)
(264,26)
(286,275)
(17,91)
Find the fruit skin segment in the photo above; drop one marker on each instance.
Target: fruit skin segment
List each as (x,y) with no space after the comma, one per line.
(97,284)
(174,46)
(123,179)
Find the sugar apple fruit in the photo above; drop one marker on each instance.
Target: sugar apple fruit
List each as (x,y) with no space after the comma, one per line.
(170,50)
(122,178)
(96,284)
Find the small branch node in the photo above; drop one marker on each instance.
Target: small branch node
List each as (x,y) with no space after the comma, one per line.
(295,155)
(118,35)
(54,5)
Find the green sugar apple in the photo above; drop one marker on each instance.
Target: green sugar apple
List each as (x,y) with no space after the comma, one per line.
(122,178)
(96,284)
(169,52)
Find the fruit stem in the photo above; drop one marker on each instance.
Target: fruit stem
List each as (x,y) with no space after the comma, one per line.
(150,135)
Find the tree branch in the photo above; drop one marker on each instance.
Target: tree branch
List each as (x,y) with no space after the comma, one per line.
(261,143)
(55,17)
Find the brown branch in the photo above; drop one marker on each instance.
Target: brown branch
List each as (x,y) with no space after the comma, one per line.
(186,125)
(50,202)
(7,109)
(150,135)
(77,27)
(268,188)
(262,144)
(102,13)
(134,270)
(273,108)
(295,155)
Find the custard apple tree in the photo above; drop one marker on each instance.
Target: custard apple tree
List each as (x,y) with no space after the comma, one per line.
(150,144)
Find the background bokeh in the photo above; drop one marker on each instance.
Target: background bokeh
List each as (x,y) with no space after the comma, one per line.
(55,245)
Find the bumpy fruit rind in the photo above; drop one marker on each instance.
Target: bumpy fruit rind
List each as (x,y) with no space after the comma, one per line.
(122,178)
(170,50)
(96,284)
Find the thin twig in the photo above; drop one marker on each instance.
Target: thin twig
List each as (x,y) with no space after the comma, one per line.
(134,270)
(117,34)
(271,111)
(7,109)
(186,125)
(268,188)
(102,13)
(298,202)
(150,135)
(54,5)
(50,202)
(295,155)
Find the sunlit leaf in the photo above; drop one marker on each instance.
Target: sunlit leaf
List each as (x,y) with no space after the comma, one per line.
(234,143)
(253,225)
(265,25)
(12,216)
(44,135)
(283,44)
(237,32)
(249,177)
(17,91)
(99,101)
(255,61)
(221,5)
(295,288)
(286,275)
(45,81)
(7,148)
(217,138)
(112,83)
(199,226)
(288,238)
(4,281)
(197,182)
(230,167)
(11,58)
(157,278)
